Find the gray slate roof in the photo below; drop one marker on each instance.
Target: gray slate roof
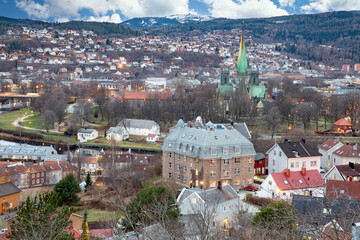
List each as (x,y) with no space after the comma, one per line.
(137,123)
(241,128)
(118,130)
(212,196)
(198,141)
(301,148)
(8,188)
(86,130)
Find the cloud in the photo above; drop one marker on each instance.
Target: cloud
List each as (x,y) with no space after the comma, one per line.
(331,5)
(114,18)
(102,9)
(244,8)
(285,3)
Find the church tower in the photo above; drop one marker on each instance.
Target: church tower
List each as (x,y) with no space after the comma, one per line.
(244,79)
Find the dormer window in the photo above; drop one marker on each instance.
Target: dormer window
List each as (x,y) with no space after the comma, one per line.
(213,151)
(301,182)
(237,150)
(225,150)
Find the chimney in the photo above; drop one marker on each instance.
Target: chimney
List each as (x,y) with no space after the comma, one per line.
(351,165)
(230,127)
(287,172)
(193,121)
(232,123)
(303,171)
(188,124)
(219,185)
(196,126)
(303,140)
(204,121)
(350,179)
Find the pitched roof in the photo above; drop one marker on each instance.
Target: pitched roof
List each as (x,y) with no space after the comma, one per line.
(297,180)
(137,123)
(52,166)
(86,130)
(211,196)
(351,151)
(241,128)
(147,95)
(330,143)
(8,189)
(343,189)
(348,171)
(67,166)
(34,168)
(342,122)
(298,149)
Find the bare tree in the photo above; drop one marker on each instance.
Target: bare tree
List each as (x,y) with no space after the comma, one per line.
(273,119)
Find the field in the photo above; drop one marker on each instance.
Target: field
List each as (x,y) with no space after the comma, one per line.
(7,119)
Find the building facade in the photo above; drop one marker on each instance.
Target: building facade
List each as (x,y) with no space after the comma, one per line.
(198,155)
(326,149)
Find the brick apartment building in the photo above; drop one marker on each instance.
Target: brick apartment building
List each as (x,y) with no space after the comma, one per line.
(196,154)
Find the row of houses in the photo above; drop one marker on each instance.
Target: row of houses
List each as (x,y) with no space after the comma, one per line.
(34,175)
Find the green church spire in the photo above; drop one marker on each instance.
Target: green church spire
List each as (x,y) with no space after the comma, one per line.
(242,64)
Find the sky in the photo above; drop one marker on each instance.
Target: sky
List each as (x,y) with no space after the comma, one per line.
(119,10)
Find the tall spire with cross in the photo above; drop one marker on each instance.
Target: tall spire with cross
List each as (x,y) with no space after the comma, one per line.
(242,63)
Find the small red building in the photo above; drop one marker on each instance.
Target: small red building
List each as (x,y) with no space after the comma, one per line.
(37,175)
(260,164)
(342,126)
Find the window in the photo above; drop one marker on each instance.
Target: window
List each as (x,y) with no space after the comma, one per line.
(178,157)
(237,181)
(42,174)
(170,145)
(226,161)
(212,184)
(178,167)
(212,162)
(237,150)
(185,169)
(184,179)
(297,164)
(237,171)
(197,161)
(274,153)
(178,177)
(303,164)
(237,160)
(169,174)
(286,182)
(292,165)
(280,154)
(169,154)
(213,151)
(249,160)
(270,182)
(33,181)
(250,170)
(37,175)
(313,163)
(196,172)
(194,200)
(274,162)
(169,164)
(37,181)
(226,208)
(301,182)
(226,173)
(225,150)
(342,191)
(212,173)
(184,158)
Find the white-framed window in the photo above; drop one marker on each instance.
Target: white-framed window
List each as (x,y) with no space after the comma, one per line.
(194,200)
(178,167)
(250,170)
(274,153)
(226,161)
(226,208)
(249,160)
(169,164)
(297,164)
(237,150)
(212,162)
(185,169)
(212,173)
(212,184)
(178,177)
(237,160)
(303,164)
(213,151)
(178,157)
(184,158)
(169,154)
(292,165)
(225,150)
(184,179)
(169,174)
(226,173)
(280,154)
(237,171)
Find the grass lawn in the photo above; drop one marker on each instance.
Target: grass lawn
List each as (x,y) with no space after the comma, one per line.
(3,224)
(33,122)
(125,144)
(7,119)
(100,215)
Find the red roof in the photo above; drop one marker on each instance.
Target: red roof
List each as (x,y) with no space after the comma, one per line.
(342,122)
(37,168)
(343,189)
(329,144)
(297,180)
(76,232)
(108,233)
(348,151)
(151,135)
(52,166)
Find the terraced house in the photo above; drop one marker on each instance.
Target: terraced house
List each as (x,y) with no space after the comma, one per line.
(200,155)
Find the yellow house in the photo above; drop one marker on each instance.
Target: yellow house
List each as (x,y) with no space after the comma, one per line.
(9,197)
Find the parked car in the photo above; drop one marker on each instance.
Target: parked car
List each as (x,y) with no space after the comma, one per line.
(3,230)
(322,170)
(251,188)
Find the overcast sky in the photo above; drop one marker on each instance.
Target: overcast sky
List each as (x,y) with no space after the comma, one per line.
(120,10)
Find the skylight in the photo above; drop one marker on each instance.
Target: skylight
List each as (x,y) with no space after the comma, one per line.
(286,182)
(301,182)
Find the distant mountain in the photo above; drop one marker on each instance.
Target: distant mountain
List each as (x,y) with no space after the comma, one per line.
(100,28)
(149,22)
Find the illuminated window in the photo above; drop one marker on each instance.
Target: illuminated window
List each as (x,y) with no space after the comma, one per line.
(212,184)
(212,173)
(212,162)
(226,173)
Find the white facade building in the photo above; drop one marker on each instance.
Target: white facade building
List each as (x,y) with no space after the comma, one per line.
(117,134)
(294,156)
(326,149)
(139,127)
(86,134)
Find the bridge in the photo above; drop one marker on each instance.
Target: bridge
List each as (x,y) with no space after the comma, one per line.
(11,101)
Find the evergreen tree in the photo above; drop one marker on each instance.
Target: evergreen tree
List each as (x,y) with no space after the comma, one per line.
(88,181)
(40,218)
(67,189)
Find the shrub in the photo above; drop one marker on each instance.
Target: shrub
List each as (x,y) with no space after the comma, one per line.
(258,200)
